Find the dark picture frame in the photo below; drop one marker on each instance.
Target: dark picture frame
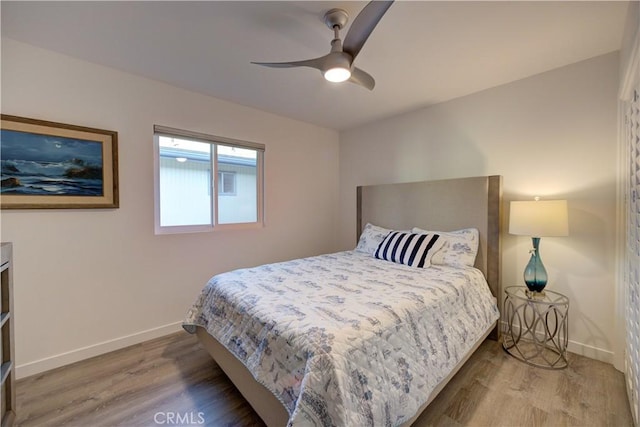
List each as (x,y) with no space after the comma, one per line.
(49,165)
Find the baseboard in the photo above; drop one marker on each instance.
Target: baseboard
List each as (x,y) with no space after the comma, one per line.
(590,352)
(48,363)
(583,349)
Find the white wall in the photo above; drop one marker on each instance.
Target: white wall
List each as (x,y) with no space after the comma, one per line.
(629,37)
(552,135)
(88,281)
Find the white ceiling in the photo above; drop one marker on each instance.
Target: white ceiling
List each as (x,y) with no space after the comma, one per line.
(421,53)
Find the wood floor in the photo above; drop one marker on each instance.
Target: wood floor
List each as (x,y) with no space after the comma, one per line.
(173,381)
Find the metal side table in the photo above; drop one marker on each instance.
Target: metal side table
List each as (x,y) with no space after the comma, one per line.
(536,329)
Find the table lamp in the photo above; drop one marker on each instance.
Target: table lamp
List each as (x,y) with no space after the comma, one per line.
(538,218)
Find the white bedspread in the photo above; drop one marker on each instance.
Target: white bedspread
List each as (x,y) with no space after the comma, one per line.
(346,339)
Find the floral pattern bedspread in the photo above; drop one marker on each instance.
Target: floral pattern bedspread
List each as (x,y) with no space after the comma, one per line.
(345,339)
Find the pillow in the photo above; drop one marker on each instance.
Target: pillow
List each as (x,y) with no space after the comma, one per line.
(370,239)
(412,249)
(460,247)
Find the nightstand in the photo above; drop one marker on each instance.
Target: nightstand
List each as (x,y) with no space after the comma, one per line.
(536,328)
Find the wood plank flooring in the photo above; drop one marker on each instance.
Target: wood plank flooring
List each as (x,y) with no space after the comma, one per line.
(173,381)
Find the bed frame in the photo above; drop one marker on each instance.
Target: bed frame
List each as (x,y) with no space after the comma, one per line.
(433,205)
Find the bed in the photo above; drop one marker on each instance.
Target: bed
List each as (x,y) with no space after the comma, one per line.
(350,339)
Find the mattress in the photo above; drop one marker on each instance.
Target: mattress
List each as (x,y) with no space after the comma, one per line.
(347,339)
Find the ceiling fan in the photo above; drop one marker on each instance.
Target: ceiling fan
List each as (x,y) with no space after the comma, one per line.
(337,65)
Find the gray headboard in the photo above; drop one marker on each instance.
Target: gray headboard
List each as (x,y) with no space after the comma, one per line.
(443,205)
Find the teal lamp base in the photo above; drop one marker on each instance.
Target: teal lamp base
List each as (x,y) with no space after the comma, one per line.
(535,275)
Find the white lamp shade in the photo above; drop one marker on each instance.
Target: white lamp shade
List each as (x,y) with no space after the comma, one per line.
(541,218)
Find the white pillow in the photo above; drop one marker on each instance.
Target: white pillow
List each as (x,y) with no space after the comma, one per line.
(370,239)
(460,248)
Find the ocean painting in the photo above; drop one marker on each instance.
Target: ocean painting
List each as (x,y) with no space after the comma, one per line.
(46,165)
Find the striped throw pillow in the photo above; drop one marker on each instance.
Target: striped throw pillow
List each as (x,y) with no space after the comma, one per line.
(410,249)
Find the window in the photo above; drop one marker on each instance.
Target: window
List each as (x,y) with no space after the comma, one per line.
(205,181)
(226,183)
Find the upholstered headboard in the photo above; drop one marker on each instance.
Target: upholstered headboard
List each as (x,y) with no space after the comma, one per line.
(443,205)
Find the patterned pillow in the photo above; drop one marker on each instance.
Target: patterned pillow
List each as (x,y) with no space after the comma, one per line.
(370,238)
(410,249)
(460,247)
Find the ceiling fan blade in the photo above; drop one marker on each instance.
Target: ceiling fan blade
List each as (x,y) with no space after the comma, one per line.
(313,63)
(362,78)
(363,26)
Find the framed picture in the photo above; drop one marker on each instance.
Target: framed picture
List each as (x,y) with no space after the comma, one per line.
(48,165)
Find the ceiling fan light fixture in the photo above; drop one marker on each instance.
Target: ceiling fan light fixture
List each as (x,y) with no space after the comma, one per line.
(337,66)
(337,74)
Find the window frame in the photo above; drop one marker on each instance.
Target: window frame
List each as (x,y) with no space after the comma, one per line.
(214,140)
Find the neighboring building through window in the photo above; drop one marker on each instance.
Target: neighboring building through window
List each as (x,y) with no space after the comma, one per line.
(190,166)
(226,183)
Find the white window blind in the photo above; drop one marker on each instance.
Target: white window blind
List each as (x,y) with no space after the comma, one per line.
(632,362)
